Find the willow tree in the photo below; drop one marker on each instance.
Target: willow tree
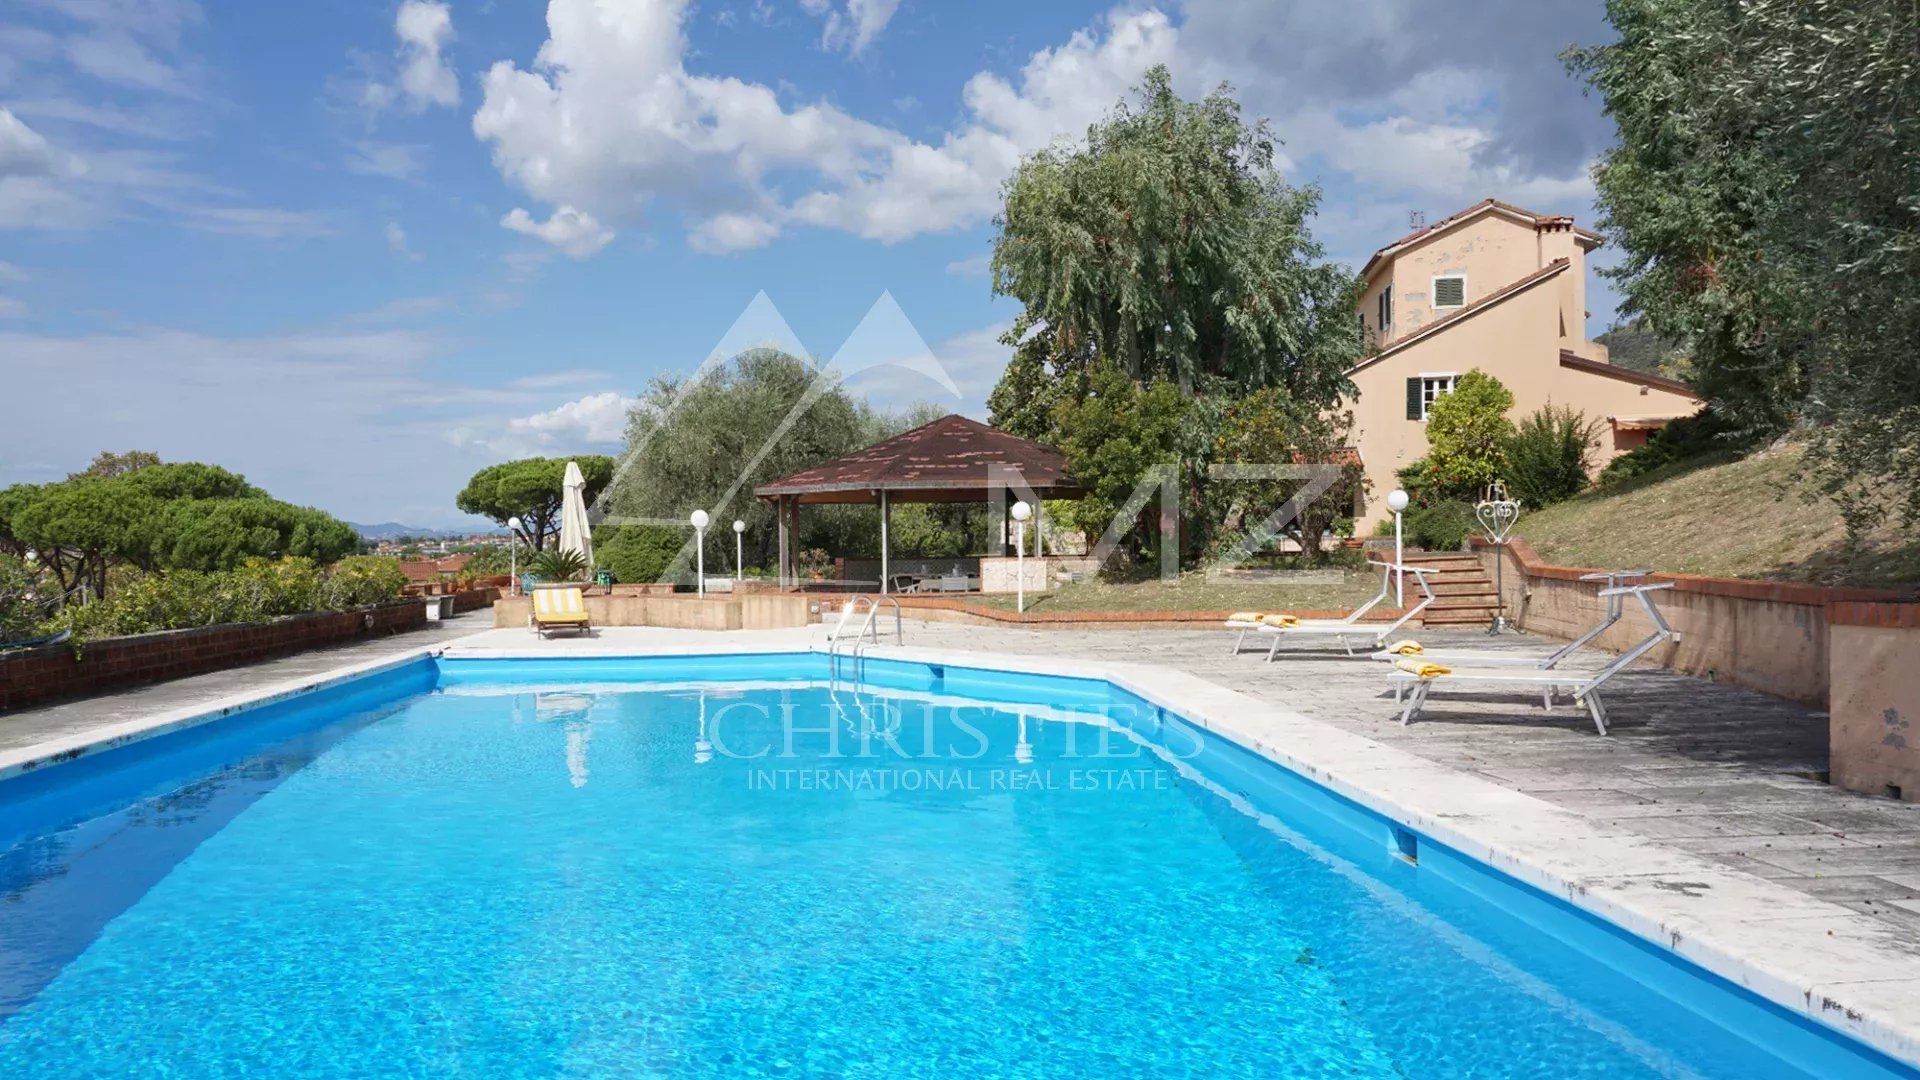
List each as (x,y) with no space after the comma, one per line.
(1170,245)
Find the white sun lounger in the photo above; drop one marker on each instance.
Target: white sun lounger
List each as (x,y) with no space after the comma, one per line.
(1347,629)
(1411,689)
(1615,608)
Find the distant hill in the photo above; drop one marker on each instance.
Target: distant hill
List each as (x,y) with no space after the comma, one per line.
(393,530)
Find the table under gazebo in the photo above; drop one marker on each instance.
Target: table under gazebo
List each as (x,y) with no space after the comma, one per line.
(951,460)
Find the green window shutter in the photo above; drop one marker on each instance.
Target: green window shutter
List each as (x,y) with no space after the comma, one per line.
(1449,292)
(1413,398)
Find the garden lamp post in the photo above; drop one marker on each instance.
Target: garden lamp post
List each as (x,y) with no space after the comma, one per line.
(1397,502)
(513,555)
(739,538)
(699,520)
(1021,512)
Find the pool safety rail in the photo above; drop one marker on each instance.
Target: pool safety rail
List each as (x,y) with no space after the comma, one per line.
(868,630)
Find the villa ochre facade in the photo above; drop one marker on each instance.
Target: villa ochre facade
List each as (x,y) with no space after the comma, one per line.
(1504,290)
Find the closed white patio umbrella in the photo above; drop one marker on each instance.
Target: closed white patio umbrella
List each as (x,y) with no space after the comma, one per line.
(575,532)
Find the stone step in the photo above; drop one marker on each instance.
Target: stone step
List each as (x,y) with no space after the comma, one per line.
(1442,557)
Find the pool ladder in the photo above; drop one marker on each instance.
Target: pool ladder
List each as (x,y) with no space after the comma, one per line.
(869,630)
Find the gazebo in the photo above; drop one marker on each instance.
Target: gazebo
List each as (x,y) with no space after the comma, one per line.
(951,460)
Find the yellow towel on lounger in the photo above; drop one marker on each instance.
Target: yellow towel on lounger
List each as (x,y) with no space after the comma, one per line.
(1426,669)
(1281,621)
(1245,616)
(1406,648)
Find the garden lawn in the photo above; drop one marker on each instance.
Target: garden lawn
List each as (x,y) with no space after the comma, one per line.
(1748,518)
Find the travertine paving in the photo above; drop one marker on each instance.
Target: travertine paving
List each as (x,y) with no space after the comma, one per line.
(1728,774)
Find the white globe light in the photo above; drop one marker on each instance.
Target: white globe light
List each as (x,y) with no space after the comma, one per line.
(699,519)
(1397,500)
(1021,511)
(513,523)
(739,526)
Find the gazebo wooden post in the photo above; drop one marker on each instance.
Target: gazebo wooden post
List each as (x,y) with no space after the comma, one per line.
(780,517)
(886,515)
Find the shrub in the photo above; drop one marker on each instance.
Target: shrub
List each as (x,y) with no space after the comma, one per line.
(1699,436)
(558,564)
(363,580)
(19,604)
(1548,455)
(1441,526)
(637,553)
(1467,432)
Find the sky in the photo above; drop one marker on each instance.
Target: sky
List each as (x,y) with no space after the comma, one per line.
(358,250)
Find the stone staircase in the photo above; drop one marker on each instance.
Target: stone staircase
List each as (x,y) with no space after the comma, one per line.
(1463,590)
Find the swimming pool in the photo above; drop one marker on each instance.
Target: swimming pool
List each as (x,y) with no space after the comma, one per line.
(725,867)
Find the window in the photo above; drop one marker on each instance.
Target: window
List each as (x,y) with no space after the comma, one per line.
(1384,316)
(1450,291)
(1423,390)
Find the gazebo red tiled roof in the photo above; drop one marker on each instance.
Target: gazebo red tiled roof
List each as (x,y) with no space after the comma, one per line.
(948,460)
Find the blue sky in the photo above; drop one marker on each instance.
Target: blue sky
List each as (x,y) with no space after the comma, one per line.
(358,250)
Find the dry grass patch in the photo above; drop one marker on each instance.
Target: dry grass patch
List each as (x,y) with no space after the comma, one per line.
(1194,593)
(1746,518)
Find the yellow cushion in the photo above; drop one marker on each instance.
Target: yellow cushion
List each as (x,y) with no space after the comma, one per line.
(1244,616)
(1280,620)
(559,605)
(1406,648)
(1426,669)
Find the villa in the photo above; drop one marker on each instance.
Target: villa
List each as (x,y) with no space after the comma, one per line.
(1504,290)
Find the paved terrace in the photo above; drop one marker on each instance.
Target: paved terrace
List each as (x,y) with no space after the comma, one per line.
(1724,773)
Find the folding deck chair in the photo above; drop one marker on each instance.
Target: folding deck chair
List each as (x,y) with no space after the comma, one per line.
(1411,688)
(1615,608)
(1343,630)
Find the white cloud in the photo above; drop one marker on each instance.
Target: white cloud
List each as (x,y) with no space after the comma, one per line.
(608,116)
(853,26)
(425,78)
(573,231)
(978,266)
(397,241)
(23,151)
(599,419)
(732,232)
(395,161)
(11,308)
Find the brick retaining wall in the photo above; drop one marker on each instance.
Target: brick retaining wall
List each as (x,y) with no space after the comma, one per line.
(51,672)
(1770,636)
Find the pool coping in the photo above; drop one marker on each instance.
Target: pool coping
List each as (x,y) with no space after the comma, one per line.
(1828,963)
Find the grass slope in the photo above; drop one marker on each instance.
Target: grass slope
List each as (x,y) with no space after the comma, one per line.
(1745,518)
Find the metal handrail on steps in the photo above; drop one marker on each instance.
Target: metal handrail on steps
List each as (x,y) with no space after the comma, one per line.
(868,626)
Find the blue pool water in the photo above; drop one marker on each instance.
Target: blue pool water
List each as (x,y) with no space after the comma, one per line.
(588,870)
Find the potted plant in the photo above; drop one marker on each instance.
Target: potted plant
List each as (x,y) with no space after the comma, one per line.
(815,563)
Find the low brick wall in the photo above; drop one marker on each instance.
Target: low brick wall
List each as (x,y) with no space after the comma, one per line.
(1873,740)
(474,599)
(1770,636)
(52,673)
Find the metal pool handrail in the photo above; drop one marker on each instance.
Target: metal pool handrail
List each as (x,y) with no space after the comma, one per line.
(868,626)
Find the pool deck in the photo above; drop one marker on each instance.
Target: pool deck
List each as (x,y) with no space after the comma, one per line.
(1696,824)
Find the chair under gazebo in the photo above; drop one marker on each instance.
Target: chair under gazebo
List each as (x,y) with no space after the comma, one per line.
(951,460)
